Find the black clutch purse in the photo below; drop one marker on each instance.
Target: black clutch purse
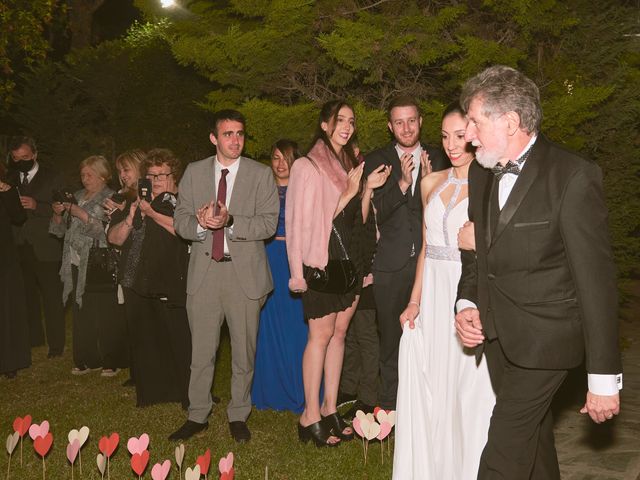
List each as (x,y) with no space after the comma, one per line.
(338,277)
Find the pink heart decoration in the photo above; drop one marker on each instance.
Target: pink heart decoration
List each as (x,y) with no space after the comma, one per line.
(228,475)
(385,429)
(107,445)
(160,472)
(357,427)
(225,464)
(375,411)
(21,425)
(204,461)
(43,444)
(36,430)
(138,445)
(139,462)
(72,450)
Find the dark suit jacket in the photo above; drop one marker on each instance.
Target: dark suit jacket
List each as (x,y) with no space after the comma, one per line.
(35,230)
(399,216)
(543,277)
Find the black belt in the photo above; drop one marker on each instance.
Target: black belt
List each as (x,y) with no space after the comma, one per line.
(225,258)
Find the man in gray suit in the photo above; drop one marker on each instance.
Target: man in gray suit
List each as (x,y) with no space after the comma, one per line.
(227,206)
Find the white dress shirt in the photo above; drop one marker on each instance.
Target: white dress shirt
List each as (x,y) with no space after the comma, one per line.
(598,384)
(231,177)
(416,163)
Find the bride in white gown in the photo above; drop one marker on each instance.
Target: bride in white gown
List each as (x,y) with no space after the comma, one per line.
(444,399)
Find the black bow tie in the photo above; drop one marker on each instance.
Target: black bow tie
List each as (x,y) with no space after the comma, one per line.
(499,171)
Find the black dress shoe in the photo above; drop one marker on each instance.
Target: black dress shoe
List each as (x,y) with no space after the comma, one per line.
(354,409)
(188,430)
(240,432)
(11,375)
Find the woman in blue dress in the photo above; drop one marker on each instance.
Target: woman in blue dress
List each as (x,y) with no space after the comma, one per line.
(282,335)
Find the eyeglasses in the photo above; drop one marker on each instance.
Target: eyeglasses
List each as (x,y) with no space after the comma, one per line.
(160,177)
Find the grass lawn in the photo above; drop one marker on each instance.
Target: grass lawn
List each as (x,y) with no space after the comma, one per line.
(48,391)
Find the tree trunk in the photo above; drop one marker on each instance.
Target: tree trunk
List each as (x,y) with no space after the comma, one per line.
(80,20)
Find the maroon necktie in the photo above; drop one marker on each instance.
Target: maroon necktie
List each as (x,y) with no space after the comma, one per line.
(217,249)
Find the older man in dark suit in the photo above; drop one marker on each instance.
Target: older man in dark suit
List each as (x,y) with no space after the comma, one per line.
(399,217)
(540,294)
(40,253)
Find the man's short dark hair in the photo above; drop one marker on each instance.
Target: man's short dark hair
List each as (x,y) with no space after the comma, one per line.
(226,114)
(16,142)
(403,101)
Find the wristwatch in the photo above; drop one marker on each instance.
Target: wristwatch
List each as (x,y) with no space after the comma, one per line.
(229,221)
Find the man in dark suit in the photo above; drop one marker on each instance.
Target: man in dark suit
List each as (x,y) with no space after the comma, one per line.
(227,206)
(40,253)
(398,207)
(540,293)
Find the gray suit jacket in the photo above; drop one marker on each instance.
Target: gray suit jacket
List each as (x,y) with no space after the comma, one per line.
(254,205)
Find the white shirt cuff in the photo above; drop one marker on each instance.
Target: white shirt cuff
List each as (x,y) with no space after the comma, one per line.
(604,384)
(201,232)
(463,303)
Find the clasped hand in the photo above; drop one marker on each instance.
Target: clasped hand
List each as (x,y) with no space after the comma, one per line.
(208,219)
(469,327)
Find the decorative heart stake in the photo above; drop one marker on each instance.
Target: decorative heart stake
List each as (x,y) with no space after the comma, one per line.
(72,451)
(12,441)
(192,474)
(42,445)
(36,430)
(225,465)
(180,457)
(204,461)
(81,435)
(101,460)
(21,425)
(108,445)
(138,445)
(139,462)
(231,473)
(371,430)
(160,472)
(357,427)
(385,429)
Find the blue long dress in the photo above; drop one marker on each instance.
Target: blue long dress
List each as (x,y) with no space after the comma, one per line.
(282,335)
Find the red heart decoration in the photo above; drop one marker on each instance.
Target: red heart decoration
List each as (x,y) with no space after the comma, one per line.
(139,462)
(204,461)
(21,425)
(228,475)
(108,445)
(43,444)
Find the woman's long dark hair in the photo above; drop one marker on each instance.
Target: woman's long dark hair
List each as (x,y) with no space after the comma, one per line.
(329,114)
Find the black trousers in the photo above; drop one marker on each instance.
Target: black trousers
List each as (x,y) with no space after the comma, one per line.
(391,291)
(161,347)
(43,288)
(520,445)
(361,358)
(99,330)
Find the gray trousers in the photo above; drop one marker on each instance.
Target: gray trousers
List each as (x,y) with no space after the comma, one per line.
(221,297)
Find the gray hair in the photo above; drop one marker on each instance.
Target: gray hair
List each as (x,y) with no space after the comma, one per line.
(504,89)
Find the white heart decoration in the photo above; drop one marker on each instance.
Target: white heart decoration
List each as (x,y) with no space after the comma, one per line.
(192,474)
(370,430)
(381,416)
(361,415)
(370,417)
(180,454)
(101,460)
(83,435)
(391,418)
(12,441)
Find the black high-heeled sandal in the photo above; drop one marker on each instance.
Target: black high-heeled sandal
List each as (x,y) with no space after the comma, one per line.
(336,425)
(316,432)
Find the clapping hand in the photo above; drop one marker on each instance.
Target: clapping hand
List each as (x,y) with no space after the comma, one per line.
(407,166)
(4,186)
(425,164)
(378,177)
(353,180)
